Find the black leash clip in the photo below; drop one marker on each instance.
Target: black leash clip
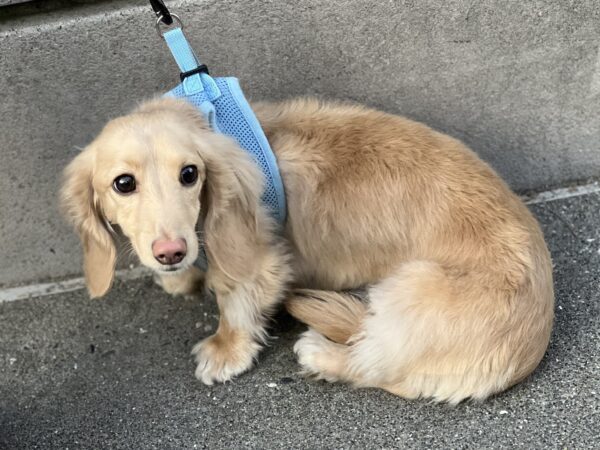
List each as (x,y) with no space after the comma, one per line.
(161,11)
(164,17)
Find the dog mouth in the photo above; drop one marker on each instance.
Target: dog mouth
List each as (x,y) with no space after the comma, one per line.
(172,269)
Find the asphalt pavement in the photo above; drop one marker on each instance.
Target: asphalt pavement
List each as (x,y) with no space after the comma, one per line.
(117,373)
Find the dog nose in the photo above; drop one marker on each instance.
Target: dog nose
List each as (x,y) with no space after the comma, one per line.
(169,252)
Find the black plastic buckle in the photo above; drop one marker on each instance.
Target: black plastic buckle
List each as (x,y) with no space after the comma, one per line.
(161,11)
(200,69)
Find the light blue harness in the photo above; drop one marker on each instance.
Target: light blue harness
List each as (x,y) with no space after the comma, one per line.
(222,102)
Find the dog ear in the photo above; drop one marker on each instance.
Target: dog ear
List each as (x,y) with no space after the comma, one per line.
(80,207)
(236,228)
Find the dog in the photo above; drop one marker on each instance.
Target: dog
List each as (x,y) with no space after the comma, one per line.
(458,277)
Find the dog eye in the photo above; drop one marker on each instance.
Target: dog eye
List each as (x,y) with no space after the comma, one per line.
(189,175)
(124,184)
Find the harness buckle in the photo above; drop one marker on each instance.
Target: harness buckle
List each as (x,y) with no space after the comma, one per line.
(200,69)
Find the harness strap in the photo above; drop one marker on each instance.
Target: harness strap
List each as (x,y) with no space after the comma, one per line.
(181,50)
(195,75)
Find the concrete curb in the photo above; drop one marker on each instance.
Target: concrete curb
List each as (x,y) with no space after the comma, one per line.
(518,83)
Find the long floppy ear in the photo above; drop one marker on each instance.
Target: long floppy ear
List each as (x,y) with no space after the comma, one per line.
(80,207)
(236,228)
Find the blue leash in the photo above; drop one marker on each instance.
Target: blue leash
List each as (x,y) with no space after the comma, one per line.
(222,102)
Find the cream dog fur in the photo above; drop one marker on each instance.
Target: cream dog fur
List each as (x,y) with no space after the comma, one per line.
(459,279)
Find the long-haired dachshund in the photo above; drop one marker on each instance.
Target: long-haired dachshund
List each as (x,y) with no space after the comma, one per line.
(459,280)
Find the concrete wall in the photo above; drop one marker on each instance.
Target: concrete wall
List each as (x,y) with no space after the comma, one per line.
(518,81)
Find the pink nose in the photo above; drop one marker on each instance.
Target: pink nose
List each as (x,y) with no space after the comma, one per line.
(169,252)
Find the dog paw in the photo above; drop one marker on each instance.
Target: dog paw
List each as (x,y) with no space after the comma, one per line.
(319,357)
(220,360)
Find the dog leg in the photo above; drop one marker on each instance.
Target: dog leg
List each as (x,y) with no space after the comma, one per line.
(425,333)
(244,312)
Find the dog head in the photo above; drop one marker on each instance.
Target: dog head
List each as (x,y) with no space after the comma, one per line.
(152,172)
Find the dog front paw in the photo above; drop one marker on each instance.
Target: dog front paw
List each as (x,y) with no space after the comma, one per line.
(220,359)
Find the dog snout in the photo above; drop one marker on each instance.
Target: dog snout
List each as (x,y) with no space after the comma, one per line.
(169,252)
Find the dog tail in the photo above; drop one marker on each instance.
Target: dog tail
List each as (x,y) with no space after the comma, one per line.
(336,315)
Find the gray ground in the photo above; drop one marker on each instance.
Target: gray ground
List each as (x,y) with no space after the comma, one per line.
(116,373)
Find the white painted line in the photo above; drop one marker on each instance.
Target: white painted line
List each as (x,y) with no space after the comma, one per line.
(561,193)
(44,289)
(59,287)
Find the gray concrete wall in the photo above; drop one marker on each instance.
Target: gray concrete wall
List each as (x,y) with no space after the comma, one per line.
(518,81)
